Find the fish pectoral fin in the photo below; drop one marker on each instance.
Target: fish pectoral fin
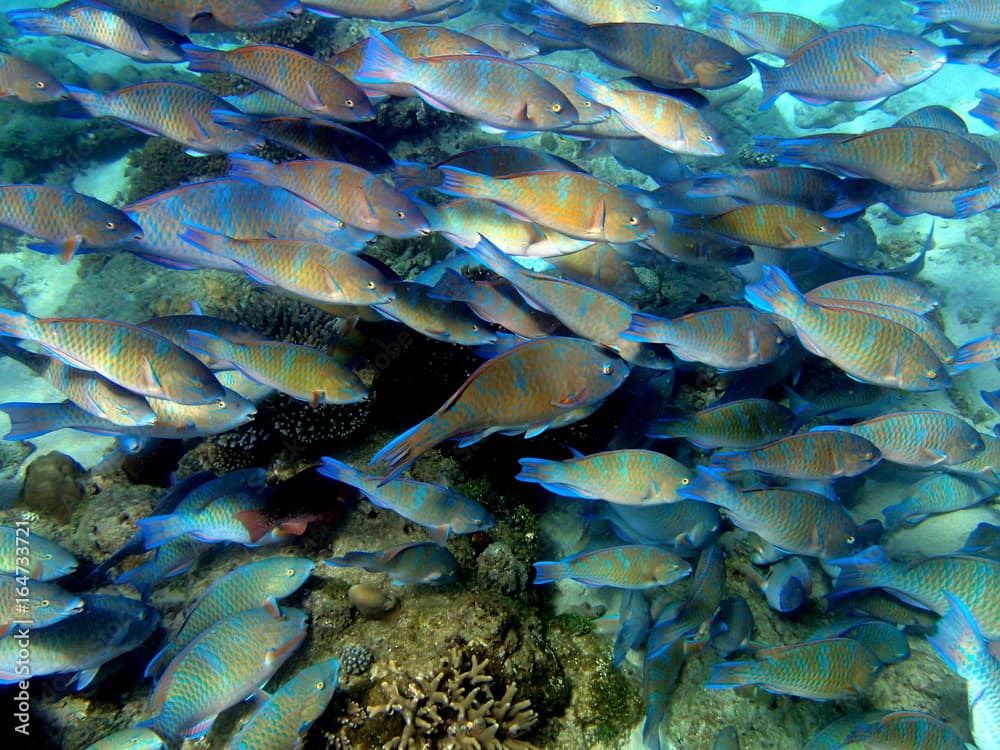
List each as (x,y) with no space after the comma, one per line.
(573,400)
(312,100)
(85,676)
(939,175)
(196,126)
(368,208)
(200,729)
(787,233)
(871,66)
(436,103)
(599,217)
(932,456)
(70,246)
(149,377)
(316,396)
(523,115)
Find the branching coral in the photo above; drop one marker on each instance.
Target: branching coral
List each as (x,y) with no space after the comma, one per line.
(455,709)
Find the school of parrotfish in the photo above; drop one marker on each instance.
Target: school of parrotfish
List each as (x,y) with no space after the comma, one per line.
(554,347)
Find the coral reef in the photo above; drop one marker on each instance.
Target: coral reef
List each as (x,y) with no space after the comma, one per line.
(52,486)
(457,708)
(162,164)
(355,660)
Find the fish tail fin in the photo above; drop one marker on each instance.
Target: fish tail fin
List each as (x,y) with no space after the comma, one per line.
(648,328)
(244,166)
(668,424)
(411,175)
(494,258)
(932,11)
(29,420)
(977,352)
(383,62)
(341,472)
(976,201)
(729,674)
(731,460)
(15,324)
(402,451)
(203,239)
(720,17)
(771,81)
(239,120)
(158,530)
(34,23)
(988,108)
(991,399)
(537,470)
(711,186)
(893,515)
(859,572)
(464,183)
(454,286)
(590,86)
(557,26)
(550,571)
(159,661)
(204,59)
(958,639)
(775,293)
(142,578)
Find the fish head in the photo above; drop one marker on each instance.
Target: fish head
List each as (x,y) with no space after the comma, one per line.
(604,373)
(114,228)
(472,518)
(913,60)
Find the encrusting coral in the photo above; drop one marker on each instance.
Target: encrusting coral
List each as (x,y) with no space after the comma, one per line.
(455,709)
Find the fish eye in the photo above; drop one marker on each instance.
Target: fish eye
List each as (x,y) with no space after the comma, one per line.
(932,374)
(340,224)
(44,603)
(401,214)
(220,404)
(556,107)
(109,225)
(320,685)
(290,572)
(608,368)
(349,103)
(586,103)
(371,284)
(46,556)
(708,138)
(851,540)
(656,8)
(685,482)
(633,220)
(40,85)
(475,327)
(911,52)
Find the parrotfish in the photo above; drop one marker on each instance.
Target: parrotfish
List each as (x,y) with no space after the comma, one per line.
(885,290)
(938,493)
(25,81)
(922,583)
(181,112)
(633,625)
(184,16)
(681,618)
(88,390)
(727,338)
(128,34)
(573,203)
(298,371)
(377,10)
(964,15)
(733,626)
(440,510)
(961,643)
(933,116)
(632,566)
(349,193)
(769,224)
(822,454)
(866,347)
(249,586)
(417,306)
(852,64)
(505,39)
(979,351)
(911,158)
(134,358)
(216,522)
(46,560)
(107,627)
(619,11)
(417,562)
(797,522)
(282,720)
(221,667)
(983,541)
(776,33)
(683,526)
(905,729)
(65,220)
(133,738)
(529,388)
(496,161)
(308,269)
(811,189)
(315,86)
(588,110)
(921,438)
(660,675)
(668,56)
(584,310)
(829,669)
(497,303)
(236,208)
(832,736)
(171,559)
(624,477)
(491,89)
(883,639)
(988,108)
(463,221)
(787,586)
(737,424)
(668,122)
(34,604)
